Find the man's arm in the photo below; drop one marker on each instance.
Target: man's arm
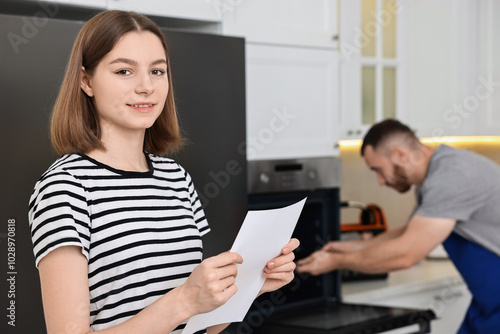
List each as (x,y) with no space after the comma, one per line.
(357,245)
(421,235)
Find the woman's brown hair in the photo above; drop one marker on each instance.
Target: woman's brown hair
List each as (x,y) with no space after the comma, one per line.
(75,124)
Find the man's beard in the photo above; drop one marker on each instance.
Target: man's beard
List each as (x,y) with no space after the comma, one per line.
(400,183)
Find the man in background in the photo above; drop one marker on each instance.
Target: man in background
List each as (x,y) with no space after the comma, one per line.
(458,205)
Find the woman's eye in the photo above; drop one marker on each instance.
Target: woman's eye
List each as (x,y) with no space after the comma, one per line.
(123,72)
(158,72)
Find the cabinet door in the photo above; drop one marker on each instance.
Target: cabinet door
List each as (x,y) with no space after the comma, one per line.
(440,63)
(487,92)
(101,4)
(202,10)
(291,22)
(370,45)
(292,102)
(350,71)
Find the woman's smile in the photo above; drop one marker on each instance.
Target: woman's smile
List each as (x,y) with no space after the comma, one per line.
(142,107)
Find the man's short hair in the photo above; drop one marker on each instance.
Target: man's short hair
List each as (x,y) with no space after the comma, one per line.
(380,132)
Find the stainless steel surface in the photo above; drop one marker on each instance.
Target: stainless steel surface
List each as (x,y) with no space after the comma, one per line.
(265,176)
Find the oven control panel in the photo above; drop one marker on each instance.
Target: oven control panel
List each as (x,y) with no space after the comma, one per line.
(292,175)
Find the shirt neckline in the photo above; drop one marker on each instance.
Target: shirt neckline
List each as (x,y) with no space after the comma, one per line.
(120,171)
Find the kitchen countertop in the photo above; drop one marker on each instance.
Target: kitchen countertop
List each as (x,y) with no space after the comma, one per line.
(425,273)
(431,284)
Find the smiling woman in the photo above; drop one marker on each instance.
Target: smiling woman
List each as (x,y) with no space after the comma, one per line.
(75,127)
(129,92)
(116,226)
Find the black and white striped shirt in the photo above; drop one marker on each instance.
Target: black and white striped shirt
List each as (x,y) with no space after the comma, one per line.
(140,232)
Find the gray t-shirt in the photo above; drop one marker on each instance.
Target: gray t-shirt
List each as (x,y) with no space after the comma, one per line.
(465,186)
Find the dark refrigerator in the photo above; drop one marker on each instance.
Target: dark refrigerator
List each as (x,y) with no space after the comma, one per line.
(209,85)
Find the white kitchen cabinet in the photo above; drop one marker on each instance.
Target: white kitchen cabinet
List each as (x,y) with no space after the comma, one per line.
(441,67)
(200,10)
(488,95)
(446,73)
(100,4)
(292,102)
(370,46)
(290,22)
(350,72)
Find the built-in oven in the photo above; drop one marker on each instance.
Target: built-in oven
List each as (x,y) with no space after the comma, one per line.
(313,304)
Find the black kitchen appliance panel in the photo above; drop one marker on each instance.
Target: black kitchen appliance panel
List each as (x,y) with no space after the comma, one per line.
(338,318)
(31,74)
(209,83)
(208,73)
(317,210)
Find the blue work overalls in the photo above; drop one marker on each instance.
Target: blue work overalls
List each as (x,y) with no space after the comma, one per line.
(480,270)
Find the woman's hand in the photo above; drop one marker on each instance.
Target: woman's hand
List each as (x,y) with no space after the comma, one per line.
(279,271)
(211,283)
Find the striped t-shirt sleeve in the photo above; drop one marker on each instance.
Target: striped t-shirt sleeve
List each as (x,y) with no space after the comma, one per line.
(198,213)
(58,214)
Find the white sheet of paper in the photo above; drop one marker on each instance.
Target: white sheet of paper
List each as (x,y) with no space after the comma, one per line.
(260,239)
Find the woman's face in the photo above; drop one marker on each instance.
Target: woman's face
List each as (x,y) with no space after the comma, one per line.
(130,84)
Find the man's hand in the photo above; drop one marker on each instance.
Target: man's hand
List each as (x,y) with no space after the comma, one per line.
(319,262)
